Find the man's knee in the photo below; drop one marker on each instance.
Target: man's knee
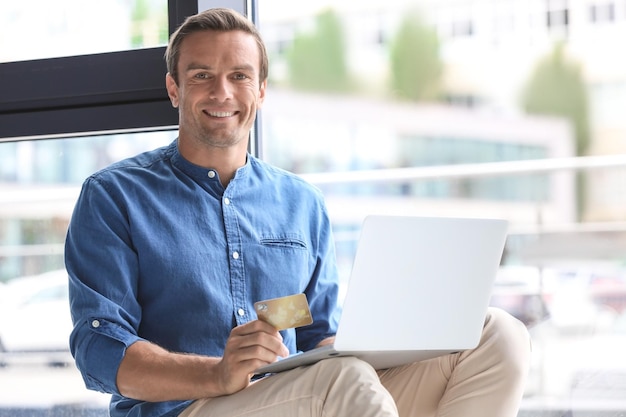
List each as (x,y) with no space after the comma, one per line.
(353,388)
(507,338)
(345,374)
(348,367)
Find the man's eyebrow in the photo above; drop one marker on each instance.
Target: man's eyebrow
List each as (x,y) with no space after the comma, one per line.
(196,66)
(245,67)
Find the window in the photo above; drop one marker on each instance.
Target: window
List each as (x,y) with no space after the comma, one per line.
(558,15)
(39,191)
(57,96)
(602,12)
(469,150)
(456,20)
(58,29)
(370,154)
(558,18)
(462,28)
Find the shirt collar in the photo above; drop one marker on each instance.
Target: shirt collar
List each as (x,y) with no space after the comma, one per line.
(199,173)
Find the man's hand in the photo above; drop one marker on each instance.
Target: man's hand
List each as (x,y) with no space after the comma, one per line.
(249,346)
(150,373)
(327,341)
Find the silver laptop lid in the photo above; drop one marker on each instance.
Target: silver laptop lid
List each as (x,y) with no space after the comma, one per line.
(420,283)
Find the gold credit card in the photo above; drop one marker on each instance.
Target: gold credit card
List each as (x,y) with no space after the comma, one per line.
(285,312)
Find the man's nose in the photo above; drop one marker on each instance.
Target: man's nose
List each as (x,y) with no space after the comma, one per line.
(220,89)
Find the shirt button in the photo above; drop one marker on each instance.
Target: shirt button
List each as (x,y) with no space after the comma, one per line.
(236,255)
(241,312)
(211,174)
(95,324)
(226,201)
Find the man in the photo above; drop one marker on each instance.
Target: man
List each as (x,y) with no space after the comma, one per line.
(167,252)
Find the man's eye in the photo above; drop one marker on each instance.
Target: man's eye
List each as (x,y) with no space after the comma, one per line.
(240,76)
(202,75)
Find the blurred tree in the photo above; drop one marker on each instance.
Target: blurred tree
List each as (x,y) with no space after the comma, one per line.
(317,61)
(140,13)
(416,67)
(149,23)
(556,87)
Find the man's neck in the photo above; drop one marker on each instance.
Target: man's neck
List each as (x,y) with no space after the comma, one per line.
(226,161)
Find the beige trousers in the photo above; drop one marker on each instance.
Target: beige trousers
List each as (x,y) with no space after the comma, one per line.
(485,381)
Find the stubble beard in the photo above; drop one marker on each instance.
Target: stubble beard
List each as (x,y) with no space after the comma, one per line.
(217,137)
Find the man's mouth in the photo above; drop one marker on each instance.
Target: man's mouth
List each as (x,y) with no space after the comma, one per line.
(221,113)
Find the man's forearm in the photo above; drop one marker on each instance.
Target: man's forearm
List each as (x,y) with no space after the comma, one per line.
(150,373)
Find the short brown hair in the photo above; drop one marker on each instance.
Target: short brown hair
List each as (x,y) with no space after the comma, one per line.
(218,19)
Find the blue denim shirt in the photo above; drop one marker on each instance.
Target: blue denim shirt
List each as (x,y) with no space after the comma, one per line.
(158,250)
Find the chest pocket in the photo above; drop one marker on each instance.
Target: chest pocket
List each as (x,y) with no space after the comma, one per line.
(286,242)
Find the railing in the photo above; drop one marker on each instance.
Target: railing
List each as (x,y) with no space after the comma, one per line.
(534,166)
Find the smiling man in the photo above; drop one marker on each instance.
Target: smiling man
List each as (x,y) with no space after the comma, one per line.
(168,251)
(218,89)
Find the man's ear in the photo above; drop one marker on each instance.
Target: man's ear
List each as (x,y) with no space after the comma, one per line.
(172,89)
(262,93)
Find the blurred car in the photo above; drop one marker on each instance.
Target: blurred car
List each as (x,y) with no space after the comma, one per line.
(518,291)
(35,314)
(609,290)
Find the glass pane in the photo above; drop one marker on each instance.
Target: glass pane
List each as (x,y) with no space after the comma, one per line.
(35,29)
(39,184)
(476,126)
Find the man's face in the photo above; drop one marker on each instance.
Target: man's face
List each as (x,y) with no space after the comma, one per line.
(218,91)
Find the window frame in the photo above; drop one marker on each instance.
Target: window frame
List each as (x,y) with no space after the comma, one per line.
(98,93)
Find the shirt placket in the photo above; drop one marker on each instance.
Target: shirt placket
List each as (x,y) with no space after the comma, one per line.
(235,258)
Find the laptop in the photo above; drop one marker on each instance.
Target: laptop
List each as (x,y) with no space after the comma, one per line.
(419,288)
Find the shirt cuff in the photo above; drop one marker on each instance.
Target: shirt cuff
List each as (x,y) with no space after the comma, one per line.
(99,346)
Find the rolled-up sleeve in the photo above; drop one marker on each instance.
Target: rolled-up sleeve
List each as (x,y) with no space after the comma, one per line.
(102,269)
(98,346)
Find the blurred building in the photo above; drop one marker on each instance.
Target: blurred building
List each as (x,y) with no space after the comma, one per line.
(336,134)
(489,49)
